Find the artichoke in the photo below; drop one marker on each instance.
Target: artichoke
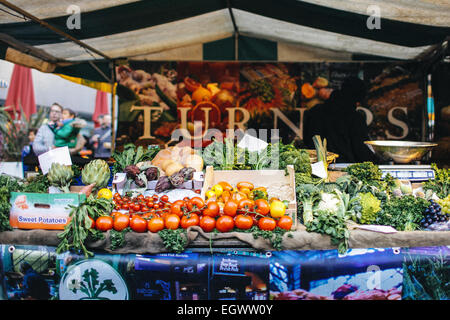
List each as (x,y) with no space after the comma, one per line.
(177,179)
(97,171)
(188,173)
(60,176)
(132,171)
(163,184)
(152,173)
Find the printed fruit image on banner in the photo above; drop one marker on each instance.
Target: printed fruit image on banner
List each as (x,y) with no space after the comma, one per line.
(158,97)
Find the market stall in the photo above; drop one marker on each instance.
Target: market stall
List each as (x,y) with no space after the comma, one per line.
(210,192)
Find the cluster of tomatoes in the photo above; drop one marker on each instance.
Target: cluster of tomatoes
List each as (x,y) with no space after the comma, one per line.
(153,213)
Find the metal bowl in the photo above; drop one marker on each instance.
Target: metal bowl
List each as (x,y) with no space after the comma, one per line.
(400,151)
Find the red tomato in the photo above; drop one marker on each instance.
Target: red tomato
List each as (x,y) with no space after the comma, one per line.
(172,221)
(149,204)
(138,224)
(155,198)
(92,222)
(177,208)
(225,223)
(196,203)
(243,221)
(165,198)
(230,208)
(140,197)
(125,206)
(212,209)
(207,223)
(114,214)
(190,220)
(104,223)
(156,206)
(137,207)
(155,224)
(267,223)
(262,207)
(245,205)
(121,221)
(285,222)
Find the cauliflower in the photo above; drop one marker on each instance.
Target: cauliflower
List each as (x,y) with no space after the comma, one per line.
(329,202)
(370,206)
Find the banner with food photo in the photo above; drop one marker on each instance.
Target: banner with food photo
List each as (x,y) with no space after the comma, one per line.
(155,98)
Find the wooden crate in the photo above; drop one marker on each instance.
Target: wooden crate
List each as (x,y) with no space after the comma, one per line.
(260,178)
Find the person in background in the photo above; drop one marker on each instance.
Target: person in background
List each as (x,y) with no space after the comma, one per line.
(102,138)
(34,285)
(29,158)
(341,124)
(45,137)
(67,129)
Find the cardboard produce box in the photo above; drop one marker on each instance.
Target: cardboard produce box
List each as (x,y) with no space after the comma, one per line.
(270,179)
(42,210)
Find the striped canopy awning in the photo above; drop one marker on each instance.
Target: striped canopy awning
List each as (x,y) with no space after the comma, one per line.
(82,37)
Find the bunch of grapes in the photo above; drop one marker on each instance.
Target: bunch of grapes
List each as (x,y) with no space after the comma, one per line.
(433,214)
(445,204)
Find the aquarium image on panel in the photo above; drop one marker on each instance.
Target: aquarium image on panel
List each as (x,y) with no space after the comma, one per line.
(360,274)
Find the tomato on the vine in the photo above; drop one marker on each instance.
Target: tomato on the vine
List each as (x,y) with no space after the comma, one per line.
(207,223)
(172,221)
(164,198)
(196,203)
(140,197)
(104,223)
(189,220)
(267,223)
(155,224)
(92,222)
(243,221)
(224,223)
(121,221)
(262,207)
(212,209)
(230,208)
(177,208)
(138,224)
(245,205)
(285,222)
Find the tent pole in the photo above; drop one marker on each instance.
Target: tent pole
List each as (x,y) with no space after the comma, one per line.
(113,106)
(52,28)
(236,31)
